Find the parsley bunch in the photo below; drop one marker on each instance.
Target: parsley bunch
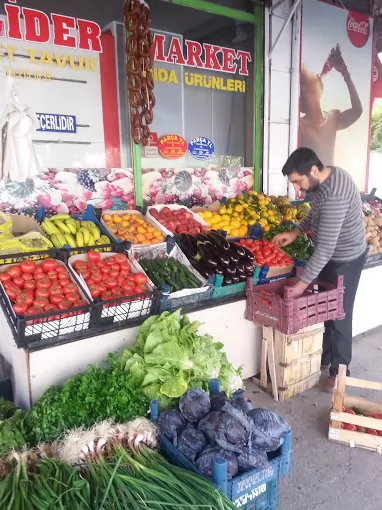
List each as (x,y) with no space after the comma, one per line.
(102,392)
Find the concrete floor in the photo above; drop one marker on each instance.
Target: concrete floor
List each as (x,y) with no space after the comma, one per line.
(326,475)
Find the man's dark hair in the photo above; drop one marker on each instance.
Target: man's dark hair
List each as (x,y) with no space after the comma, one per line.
(301,162)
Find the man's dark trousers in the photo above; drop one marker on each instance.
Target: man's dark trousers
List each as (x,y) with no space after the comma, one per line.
(338,336)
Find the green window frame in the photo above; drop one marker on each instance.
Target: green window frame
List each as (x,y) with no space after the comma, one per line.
(257,19)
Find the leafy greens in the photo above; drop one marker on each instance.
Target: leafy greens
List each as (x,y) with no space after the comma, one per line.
(169,357)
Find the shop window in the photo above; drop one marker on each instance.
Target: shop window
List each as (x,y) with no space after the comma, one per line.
(204,84)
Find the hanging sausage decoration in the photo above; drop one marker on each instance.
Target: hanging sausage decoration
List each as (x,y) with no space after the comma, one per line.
(140,82)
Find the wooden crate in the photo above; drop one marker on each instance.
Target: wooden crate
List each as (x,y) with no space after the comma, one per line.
(293,361)
(338,417)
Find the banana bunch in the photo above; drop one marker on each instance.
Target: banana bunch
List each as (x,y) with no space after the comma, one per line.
(62,229)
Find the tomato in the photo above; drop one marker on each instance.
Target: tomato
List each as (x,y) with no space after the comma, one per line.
(93,256)
(372,432)
(5,277)
(34,310)
(63,275)
(19,281)
(140,278)
(43,293)
(28,276)
(56,288)
(69,288)
(20,309)
(39,270)
(105,269)
(77,265)
(12,290)
(65,304)
(64,282)
(114,273)
(102,286)
(49,265)
(94,290)
(111,282)
(120,279)
(97,277)
(107,294)
(348,411)
(28,266)
(120,258)
(29,285)
(56,299)
(14,271)
(138,289)
(50,308)
(349,426)
(44,283)
(125,268)
(109,261)
(84,272)
(40,302)
(61,269)
(73,297)
(25,298)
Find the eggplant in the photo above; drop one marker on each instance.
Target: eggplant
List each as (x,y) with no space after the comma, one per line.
(201,238)
(240,269)
(218,239)
(219,270)
(204,270)
(227,281)
(235,279)
(221,257)
(248,254)
(229,271)
(233,256)
(188,247)
(243,277)
(239,250)
(205,255)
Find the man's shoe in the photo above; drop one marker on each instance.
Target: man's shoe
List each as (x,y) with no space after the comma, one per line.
(330,384)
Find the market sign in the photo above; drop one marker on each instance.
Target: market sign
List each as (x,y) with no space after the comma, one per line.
(38,27)
(201,148)
(201,56)
(54,123)
(172,146)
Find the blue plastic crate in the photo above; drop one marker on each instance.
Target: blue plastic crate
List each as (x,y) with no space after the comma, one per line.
(256,489)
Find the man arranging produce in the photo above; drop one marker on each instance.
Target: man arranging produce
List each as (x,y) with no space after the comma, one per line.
(338,233)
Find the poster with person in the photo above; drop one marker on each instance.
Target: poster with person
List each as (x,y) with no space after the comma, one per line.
(335,86)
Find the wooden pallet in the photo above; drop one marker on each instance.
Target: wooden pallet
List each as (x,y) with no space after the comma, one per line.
(338,417)
(293,361)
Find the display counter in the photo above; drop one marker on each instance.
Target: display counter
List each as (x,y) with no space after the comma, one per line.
(35,370)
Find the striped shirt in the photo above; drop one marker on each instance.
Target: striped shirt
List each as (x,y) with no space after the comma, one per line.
(336,221)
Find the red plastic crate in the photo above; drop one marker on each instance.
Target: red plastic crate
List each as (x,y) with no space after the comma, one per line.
(322,302)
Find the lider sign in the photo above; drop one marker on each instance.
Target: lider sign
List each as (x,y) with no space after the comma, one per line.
(54,123)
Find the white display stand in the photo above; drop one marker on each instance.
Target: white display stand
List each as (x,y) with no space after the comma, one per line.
(35,372)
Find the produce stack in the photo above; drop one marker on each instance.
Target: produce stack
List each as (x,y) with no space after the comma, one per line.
(237,215)
(373,226)
(64,230)
(211,254)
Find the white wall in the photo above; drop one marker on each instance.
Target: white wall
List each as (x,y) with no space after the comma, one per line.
(281,84)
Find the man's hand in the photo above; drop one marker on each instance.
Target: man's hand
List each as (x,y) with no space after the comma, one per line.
(286,238)
(298,289)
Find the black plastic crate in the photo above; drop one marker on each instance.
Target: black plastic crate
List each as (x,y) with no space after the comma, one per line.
(51,325)
(119,310)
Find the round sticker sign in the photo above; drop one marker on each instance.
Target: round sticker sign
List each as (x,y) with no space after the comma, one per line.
(172,146)
(201,148)
(358,27)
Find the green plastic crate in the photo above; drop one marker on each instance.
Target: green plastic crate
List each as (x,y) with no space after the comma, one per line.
(236,289)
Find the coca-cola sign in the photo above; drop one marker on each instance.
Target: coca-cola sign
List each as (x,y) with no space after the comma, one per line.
(358,27)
